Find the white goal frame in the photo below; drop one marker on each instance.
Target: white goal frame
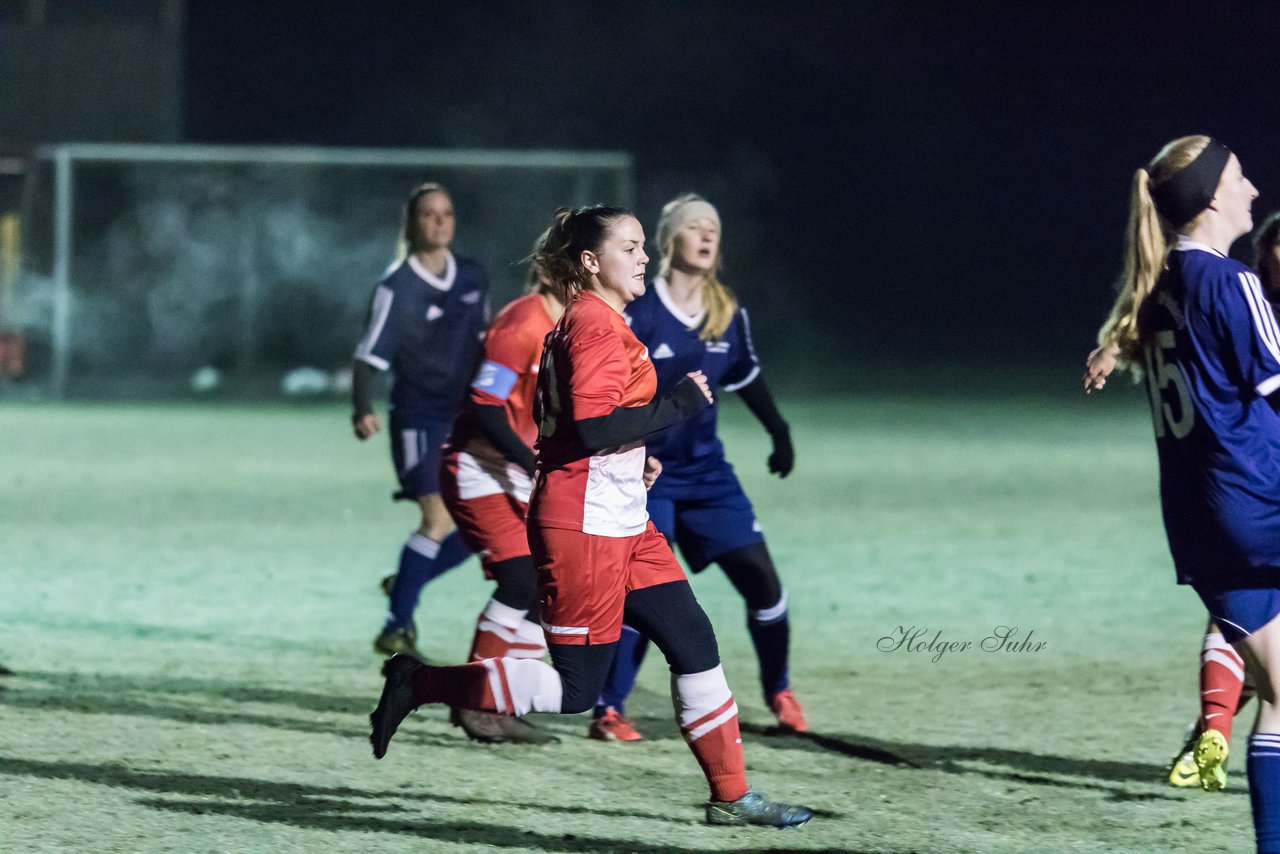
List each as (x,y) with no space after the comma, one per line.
(64,158)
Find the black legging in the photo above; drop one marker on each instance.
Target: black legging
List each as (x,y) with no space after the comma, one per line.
(667,613)
(751,572)
(517,583)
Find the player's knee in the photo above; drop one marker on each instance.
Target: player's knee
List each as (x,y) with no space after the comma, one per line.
(575,700)
(436,522)
(772,614)
(517,582)
(582,672)
(751,571)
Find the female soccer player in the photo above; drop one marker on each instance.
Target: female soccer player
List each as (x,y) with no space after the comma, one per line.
(485,478)
(426,320)
(1200,326)
(690,321)
(1223,689)
(597,554)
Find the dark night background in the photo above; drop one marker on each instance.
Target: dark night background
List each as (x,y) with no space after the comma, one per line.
(900,182)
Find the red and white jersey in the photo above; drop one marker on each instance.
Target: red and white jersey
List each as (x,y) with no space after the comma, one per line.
(592,364)
(508,377)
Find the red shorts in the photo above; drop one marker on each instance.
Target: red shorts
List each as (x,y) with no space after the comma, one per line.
(492,526)
(584,579)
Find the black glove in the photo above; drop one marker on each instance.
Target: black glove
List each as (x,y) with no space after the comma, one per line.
(783,458)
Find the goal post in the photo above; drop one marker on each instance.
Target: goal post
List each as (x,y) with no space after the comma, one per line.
(143,262)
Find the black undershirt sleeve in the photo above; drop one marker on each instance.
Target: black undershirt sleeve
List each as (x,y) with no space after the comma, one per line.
(759,400)
(493,424)
(627,424)
(361,388)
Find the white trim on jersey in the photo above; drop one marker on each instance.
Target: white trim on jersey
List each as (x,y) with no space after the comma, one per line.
(614,502)
(664,296)
(481,475)
(1267,386)
(564,630)
(440,283)
(751,348)
(1264,320)
(378,314)
(1186,243)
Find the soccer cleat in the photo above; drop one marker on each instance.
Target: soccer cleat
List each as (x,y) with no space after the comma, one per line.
(1211,760)
(493,728)
(612,726)
(401,641)
(755,808)
(787,709)
(395,704)
(387,582)
(1183,772)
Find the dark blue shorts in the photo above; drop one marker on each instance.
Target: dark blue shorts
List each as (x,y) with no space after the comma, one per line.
(1240,612)
(416,452)
(706,519)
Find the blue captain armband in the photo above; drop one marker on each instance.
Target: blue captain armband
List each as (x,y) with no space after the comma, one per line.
(495,379)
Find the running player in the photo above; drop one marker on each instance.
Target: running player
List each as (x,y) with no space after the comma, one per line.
(1200,326)
(485,479)
(426,319)
(691,322)
(597,554)
(1223,688)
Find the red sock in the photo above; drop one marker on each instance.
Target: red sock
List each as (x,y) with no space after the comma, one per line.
(510,686)
(709,722)
(1221,679)
(461,686)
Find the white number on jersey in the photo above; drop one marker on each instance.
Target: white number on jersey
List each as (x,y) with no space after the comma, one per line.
(1160,376)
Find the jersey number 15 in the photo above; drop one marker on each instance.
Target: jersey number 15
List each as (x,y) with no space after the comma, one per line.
(1162,377)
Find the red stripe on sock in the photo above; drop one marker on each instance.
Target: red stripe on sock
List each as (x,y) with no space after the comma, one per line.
(724,707)
(506,689)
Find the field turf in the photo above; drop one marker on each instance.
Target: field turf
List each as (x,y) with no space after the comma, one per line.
(188,595)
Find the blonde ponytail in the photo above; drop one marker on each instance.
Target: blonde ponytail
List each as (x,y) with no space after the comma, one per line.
(1148,240)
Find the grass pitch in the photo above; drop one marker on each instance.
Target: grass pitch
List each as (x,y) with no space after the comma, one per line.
(188,594)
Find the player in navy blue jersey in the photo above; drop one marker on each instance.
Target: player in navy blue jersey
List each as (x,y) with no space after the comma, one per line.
(691,321)
(426,322)
(1223,689)
(1199,327)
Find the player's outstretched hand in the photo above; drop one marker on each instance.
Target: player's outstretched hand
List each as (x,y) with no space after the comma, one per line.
(652,468)
(783,458)
(1098,367)
(365,425)
(700,380)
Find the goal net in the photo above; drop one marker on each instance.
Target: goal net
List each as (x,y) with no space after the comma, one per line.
(145,268)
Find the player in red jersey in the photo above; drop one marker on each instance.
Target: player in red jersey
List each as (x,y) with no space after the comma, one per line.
(485,478)
(597,554)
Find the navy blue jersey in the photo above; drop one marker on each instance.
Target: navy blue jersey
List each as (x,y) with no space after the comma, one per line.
(427,331)
(691,447)
(1213,354)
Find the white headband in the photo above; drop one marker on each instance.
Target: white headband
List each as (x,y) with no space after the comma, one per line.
(682,216)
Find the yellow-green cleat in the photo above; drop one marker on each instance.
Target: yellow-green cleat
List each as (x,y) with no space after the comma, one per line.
(1211,760)
(1183,772)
